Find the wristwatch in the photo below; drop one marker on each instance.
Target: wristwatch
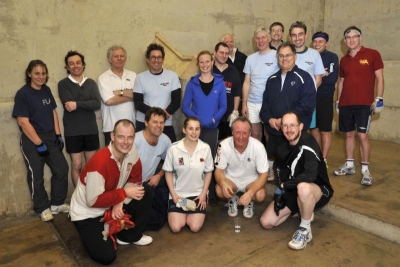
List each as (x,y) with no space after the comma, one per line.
(121,93)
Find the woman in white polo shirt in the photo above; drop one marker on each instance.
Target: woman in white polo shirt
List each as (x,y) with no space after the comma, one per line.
(188,167)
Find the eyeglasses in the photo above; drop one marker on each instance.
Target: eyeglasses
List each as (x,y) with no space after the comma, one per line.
(156,58)
(291,126)
(274,31)
(281,56)
(351,37)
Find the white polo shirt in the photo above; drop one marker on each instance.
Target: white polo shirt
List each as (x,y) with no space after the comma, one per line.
(242,166)
(188,171)
(108,83)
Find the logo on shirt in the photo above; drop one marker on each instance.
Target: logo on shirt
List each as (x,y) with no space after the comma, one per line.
(129,167)
(248,159)
(228,87)
(159,156)
(180,161)
(269,63)
(292,83)
(46,102)
(128,79)
(164,84)
(364,62)
(201,160)
(309,63)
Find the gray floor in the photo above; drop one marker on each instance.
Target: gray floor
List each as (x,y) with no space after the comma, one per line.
(29,242)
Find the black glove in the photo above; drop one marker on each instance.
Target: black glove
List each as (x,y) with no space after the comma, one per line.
(59,141)
(279,200)
(42,150)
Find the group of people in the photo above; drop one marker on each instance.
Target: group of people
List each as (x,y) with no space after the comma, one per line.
(279,92)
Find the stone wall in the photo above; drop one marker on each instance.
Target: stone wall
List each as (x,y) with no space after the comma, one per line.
(47,29)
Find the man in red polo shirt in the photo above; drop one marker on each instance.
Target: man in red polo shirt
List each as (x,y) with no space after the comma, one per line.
(361,70)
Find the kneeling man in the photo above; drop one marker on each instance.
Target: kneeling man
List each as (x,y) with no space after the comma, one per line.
(241,165)
(303,181)
(112,179)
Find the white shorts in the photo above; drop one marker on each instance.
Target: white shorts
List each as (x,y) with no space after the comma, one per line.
(242,183)
(254,112)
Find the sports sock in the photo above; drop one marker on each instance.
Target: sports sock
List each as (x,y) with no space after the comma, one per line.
(364,166)
(350,163)
(306,223)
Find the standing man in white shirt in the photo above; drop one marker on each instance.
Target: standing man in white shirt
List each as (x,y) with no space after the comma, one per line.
(116,91)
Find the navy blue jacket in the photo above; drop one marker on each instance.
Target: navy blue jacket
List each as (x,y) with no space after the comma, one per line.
(298,93)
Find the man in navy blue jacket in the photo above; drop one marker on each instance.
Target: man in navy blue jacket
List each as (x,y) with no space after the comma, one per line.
(325,92)
(291,88)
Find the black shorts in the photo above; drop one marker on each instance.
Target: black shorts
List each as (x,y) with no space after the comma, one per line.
(291,199)
(79,143)
(274,141)
(324,110)
(172,207)
(351,117)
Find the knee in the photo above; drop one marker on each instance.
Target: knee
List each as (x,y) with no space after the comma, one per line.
(265,223)
(363,137)
(175,228)
(350,134)
(303,190)
(195,228)
(218,191)
(260,195)
(105,258)
(77,166)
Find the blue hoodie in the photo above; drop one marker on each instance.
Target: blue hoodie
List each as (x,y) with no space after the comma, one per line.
(205,107)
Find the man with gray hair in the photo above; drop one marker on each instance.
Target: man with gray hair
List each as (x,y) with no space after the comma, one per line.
(259,67)
(116,91)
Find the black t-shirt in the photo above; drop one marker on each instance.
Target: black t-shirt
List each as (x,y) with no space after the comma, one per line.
(206,87)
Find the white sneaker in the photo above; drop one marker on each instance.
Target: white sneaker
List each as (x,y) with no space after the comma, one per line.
(232,206)
(366,178)
(145,240)
(344,170)
(46,215)
(300,239)
(64,208)
(248,211)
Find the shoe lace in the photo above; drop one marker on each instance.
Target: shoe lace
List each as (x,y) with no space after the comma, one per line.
(300,235)
(248,209)
(232,205)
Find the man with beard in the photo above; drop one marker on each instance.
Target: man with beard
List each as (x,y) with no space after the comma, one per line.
(303,181)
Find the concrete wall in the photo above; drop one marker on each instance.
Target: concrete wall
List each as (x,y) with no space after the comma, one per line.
(47,29)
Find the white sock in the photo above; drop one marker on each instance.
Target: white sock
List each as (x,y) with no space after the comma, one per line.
(364,166)
(306,223)
(350,163)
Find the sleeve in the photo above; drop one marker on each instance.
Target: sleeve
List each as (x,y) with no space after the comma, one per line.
(222,105)
(333,70)
(377,63)
(187,101)
(247,67)
(93,103)
(95,192)
(209,166)
(105,88)
(168,162)
(261,159)
(21,105)
(309,171)
(139,95)
(136,173)
(221,159)
(236,84)
(175,101)
(64,93)
(265,113)
(319,65)
(307,97)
